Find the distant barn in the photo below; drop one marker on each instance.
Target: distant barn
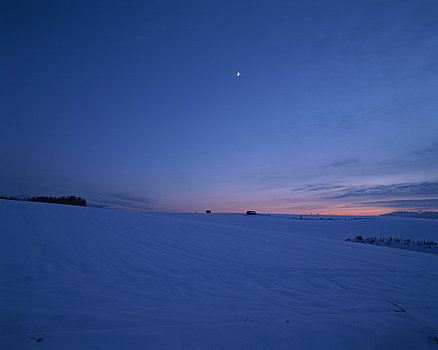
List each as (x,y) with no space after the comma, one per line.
(208,211)
(251,212)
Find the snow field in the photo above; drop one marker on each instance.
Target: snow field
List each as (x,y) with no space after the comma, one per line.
(74,277)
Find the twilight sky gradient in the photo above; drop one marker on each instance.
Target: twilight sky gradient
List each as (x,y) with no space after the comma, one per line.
(136,105)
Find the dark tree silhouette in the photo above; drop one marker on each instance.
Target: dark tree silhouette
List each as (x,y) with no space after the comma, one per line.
(70,200)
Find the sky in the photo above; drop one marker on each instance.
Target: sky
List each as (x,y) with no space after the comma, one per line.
(137,105)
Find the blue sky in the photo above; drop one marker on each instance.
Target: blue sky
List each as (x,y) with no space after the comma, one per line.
(138,106)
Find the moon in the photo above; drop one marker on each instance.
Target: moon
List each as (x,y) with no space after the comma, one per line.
(238,74)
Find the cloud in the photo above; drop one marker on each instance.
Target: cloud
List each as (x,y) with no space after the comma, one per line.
(344,162)
(317,187)
(120,200)
(343,198)
(427,150)
(413,204)
(128,197)
(397,190)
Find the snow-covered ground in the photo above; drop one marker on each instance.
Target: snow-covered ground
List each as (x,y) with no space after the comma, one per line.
(88,278)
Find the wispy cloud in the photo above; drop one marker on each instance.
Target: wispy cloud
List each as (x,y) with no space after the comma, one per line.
(344,197)
(413,204)
(344,162)
(317,187)
(394,190)
(121,200)
(427,150)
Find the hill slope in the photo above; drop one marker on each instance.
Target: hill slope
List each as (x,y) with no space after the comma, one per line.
(73,277)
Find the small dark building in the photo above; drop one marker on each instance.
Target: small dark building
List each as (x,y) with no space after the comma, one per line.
(251,212)
(208,211)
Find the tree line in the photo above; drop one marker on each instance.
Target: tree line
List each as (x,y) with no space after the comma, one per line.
(70,200)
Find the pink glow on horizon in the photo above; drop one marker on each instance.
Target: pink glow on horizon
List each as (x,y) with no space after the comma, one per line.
(359,211)
(308,208)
